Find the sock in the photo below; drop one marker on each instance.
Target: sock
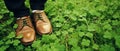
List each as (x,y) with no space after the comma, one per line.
(37,11)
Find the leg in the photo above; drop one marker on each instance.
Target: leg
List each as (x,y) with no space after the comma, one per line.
(17,7)
(42,23)
(25,26)
(37,4)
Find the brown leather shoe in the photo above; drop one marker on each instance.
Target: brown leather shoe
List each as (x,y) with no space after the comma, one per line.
(42,23)
(25,28)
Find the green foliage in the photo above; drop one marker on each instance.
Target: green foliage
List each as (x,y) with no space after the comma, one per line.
(117,41)
(95,46)
(107,48)
(85,42)
(78,25)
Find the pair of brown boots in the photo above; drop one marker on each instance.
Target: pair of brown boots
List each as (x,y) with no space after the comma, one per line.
(25,26)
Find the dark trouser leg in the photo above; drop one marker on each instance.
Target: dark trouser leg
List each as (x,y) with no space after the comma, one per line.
(37,4)
(17,7)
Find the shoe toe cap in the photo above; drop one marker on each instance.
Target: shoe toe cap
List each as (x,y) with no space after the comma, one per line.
(28,34)
(45,28)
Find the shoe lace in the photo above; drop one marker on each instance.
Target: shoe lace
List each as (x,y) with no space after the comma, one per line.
(40,17)
(26,22)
